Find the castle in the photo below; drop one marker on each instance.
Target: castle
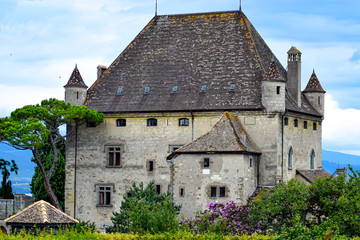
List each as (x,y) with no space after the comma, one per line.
(199,104)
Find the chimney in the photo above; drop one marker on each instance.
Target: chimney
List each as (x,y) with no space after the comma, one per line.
(294,74)
(100,70)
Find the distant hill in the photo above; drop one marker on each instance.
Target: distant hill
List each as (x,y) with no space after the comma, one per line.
(333,160)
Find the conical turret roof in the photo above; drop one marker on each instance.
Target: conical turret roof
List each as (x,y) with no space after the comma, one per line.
(75,79)
(273,73)
(314,84)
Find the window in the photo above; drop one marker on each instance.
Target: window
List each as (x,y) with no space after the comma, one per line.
(173,148)
(147,90)
(90,124)
(103,192)
(114,156)
(213,192)
(305,124)
(286,121)
(183,122)
(206,162)
(250,163)
(119,91)
(158,188)
(232,87)
(152,122)
(182,192)
(77,95)
(319,101)
(290,158)
(175,89)
(295,123)
(312,159)
(314,126)
(203,88)
(277,89)
(150,166)
(222,191)
(121,122)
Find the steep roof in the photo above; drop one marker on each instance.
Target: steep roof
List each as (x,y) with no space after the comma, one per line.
(314,84)
(75,79)
(188,51)
(305,107)
(227,136)
(41,212)
(311,175)
(273,73)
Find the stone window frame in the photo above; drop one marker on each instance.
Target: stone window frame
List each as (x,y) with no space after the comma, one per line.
(305,124)
(217,191)
(312,159)
(296,123)
(290,158)
(182,192)
(150,166)
(184,122)
(278,88)
(107,150)
(151,122)
(104,192)
(121,122)
(206,161)
(286,121)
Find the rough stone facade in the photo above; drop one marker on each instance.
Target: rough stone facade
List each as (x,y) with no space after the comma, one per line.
(158,134)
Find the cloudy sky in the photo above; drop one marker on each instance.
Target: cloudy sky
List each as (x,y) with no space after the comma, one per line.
(42,40)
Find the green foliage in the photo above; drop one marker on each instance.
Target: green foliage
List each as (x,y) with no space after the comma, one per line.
(144,210)
(5,188)
(57,180)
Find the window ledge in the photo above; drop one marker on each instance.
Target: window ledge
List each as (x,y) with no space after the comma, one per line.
(108,166)
(106,206)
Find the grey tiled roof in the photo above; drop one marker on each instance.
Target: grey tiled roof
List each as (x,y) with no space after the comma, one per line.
(312,175)
(314,84)
(306,107)
(41,212)
(75,79)
(227,136)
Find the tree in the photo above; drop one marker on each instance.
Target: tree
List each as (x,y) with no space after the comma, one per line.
(143,209)
(57,180)
(31,126)
(6,189)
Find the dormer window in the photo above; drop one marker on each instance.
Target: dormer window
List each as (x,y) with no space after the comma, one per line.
(147,90)
(203,88)
(232,87)
(119,91)
(175,89)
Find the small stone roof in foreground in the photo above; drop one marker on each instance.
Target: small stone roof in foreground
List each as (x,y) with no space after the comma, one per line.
(311,175)
(314,85)
(227,136)
(75,79)
(41,212)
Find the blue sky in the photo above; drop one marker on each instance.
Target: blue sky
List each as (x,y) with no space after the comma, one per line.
(42,40)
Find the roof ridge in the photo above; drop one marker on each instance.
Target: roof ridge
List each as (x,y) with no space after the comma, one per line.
(43,211)
(235,133)
(200,13)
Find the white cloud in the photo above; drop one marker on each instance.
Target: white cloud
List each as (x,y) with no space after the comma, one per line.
(341,128)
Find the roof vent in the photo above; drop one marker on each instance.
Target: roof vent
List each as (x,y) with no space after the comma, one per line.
(203,88)
(119,91)
(147,90)
(175,89)
(232,87)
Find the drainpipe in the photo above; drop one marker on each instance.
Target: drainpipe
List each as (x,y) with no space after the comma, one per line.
(192,126)
(282,144)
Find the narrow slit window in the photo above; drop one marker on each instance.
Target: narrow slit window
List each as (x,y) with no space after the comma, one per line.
(278,90)
(151,166)
(175,89)
(305,124)
(222,192)
(206,162)
(182,192)
(314,126)
(286,121)
(250,163)
(158,188)
(290,158)
(295,123)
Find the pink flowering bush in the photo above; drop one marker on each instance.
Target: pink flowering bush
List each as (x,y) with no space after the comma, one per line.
(223,218)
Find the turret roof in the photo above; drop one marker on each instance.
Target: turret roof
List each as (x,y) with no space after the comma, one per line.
(273,73)
(75,79)
(314,84)
(227,136)
(293,50)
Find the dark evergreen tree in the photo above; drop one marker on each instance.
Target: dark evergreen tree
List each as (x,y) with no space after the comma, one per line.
(6,189)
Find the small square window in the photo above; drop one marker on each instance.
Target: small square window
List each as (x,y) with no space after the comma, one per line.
(104,195)
(183,122)
(121,122)
(175,89)
(314,126)
(232,87)
(206,162)
(158,188)
(147,90)
(203,88)
(152,122)
(213,192)
(222,191)
(114,156)
(305,124)
(119,91)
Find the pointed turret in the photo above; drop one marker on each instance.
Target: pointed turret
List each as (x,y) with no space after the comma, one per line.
(294,74)
(75,89)
(315,94)
(273,89)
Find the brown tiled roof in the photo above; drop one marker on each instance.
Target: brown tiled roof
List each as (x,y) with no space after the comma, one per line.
(273,73)
(41,212)
(227,136)
(75,79)
(293,50)
(312,175)
(314,84)
(188,51)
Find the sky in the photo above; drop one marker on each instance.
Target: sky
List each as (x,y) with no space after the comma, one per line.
(42,40)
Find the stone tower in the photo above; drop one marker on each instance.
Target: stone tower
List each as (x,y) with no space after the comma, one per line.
(315,94)
(273,89)
(294,74)
(75,89)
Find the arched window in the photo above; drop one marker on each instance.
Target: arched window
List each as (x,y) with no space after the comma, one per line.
(290,158)
(312,159)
